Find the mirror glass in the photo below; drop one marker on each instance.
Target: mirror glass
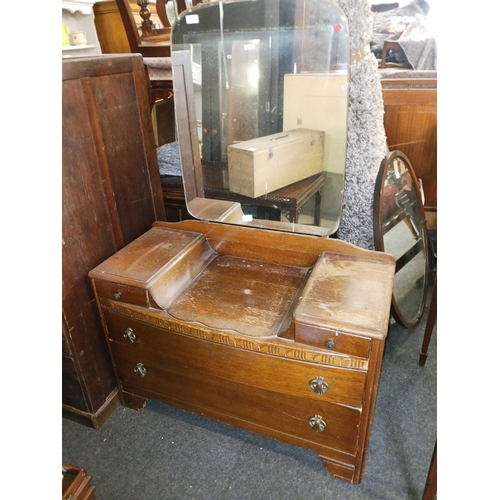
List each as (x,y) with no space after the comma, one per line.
(400,229)
(273,72)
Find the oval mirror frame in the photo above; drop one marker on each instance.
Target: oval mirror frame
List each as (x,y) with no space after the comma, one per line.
(400,229)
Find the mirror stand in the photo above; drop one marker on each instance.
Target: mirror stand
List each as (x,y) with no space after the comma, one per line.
(400,229)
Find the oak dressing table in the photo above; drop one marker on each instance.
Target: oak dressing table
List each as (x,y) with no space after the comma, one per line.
(280,334)
(273,327)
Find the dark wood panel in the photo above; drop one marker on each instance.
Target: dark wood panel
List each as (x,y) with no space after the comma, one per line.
(73,393)
(111,193)
(410,122)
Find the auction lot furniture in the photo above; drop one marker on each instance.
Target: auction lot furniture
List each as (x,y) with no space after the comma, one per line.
(111,194)
(277,333)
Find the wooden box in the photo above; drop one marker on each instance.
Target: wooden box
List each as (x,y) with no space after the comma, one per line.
(260,166)
(277,333)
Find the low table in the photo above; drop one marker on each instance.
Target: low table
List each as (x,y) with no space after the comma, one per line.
(289,199)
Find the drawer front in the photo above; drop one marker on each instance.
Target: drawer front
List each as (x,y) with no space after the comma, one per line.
(332,340)
(122,293)
(138,341)
(277,413)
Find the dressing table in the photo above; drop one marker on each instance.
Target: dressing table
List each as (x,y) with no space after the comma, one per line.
(270,326)
(277,333)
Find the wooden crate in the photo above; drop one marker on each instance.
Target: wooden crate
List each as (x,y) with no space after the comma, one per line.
(260,166)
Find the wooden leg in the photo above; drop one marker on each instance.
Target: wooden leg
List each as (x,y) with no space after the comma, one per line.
(430,489)
(317,208)
(132,400)
(431,321)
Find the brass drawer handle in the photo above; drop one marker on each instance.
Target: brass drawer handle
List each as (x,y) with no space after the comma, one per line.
(317,423)
(129,335)
(318,385)
(118,295)
(140,370)
(329,344)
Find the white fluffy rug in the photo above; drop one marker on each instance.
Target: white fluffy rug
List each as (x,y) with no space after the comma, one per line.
(366,139)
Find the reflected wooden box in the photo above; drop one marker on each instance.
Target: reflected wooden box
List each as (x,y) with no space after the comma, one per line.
(260,166)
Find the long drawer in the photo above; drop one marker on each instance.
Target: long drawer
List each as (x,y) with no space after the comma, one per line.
(181,354)
(281,413)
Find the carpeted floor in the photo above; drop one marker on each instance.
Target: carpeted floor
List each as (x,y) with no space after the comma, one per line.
(162,453)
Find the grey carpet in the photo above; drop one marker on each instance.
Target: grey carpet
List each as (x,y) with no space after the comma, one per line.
(162,453)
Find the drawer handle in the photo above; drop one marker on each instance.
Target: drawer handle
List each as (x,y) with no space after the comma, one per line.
(319,385)
(317,423)
(140,370)
(118,295)
(129,335)
(329,344)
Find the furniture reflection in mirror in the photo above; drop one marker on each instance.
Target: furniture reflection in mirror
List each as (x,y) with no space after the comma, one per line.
(261,67)
(199,201)
(289,200)
(400,229)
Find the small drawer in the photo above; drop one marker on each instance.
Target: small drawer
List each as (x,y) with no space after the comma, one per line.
(332,340)
(122,293)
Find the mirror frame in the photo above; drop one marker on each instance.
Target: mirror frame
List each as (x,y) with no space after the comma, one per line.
(290,202)
(378,213)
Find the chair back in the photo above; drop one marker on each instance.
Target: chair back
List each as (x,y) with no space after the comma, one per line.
(145,39)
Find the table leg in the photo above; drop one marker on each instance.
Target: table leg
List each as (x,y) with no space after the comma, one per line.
(431,321)
(317,208)
(430,489)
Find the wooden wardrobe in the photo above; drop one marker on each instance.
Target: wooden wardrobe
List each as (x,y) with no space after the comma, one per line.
(111,194)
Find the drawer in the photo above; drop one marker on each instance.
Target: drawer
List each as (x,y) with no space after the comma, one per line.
(122,293)
(278,414)
(332,340)
(183,353)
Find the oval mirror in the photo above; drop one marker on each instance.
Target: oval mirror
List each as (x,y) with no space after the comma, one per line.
(270,83)
(400,229)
